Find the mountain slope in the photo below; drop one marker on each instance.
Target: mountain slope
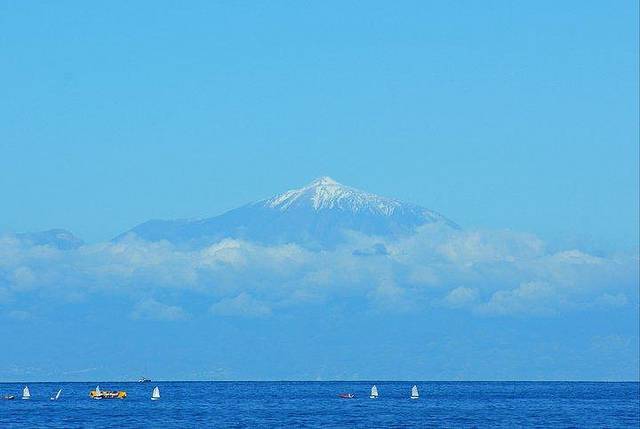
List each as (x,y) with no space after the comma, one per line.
(316,215)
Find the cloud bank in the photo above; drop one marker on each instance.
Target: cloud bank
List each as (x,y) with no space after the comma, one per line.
(484,273)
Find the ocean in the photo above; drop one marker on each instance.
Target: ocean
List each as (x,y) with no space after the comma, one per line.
(316,404)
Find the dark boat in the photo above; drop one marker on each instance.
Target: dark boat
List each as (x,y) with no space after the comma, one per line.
(346,395)
(9,397)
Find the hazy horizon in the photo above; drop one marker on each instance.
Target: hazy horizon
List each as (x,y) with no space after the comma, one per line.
(476,217)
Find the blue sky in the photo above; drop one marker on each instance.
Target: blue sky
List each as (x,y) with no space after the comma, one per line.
(495,114)
(517,120)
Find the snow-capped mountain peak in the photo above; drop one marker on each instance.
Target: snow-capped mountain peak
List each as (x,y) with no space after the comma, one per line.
(318,215)
(324,181)
(326,193)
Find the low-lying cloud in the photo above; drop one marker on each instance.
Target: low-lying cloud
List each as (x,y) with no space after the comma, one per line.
(150,309)
(487,273)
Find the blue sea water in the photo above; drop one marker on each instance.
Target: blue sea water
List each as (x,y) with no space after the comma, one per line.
(316,404)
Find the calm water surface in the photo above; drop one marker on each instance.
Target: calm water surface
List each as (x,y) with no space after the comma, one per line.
(315,404)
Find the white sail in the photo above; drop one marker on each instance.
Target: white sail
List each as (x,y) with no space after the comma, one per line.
(57,395)
(26,394)
(98,390)
(374,392)
(414,392)
(155,394)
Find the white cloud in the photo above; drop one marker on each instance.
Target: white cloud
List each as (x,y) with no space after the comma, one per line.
(150,309)
(242,305)
(533,297)
(576,257)
(461,297)
(499,273)
(473,247)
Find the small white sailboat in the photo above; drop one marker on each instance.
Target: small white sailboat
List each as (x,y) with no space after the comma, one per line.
(57,395)
(155,395)
(374,392)
(414,392)
(26,394)
(97,393)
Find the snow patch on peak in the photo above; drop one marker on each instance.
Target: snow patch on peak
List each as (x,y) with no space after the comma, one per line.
(325,193)
(323,181)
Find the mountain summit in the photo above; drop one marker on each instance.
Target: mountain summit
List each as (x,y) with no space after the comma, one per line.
(326,194)
(316,215)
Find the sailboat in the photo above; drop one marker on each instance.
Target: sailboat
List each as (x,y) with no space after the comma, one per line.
(26,394)
(96,394)
(374,392)
(155,395)
(414,392)
(57,395)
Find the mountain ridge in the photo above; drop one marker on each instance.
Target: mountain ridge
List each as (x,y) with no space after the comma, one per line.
(316,215)
(59,238)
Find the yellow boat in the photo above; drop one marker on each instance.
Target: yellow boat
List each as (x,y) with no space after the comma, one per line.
(107,394)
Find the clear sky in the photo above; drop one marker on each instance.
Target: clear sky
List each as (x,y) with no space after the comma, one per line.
(498,114)
(516,120)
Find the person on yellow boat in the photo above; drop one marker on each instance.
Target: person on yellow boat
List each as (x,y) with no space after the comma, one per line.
(107,394)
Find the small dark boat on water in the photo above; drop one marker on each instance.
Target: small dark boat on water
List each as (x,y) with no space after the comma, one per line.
(9,397)
(346,395)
